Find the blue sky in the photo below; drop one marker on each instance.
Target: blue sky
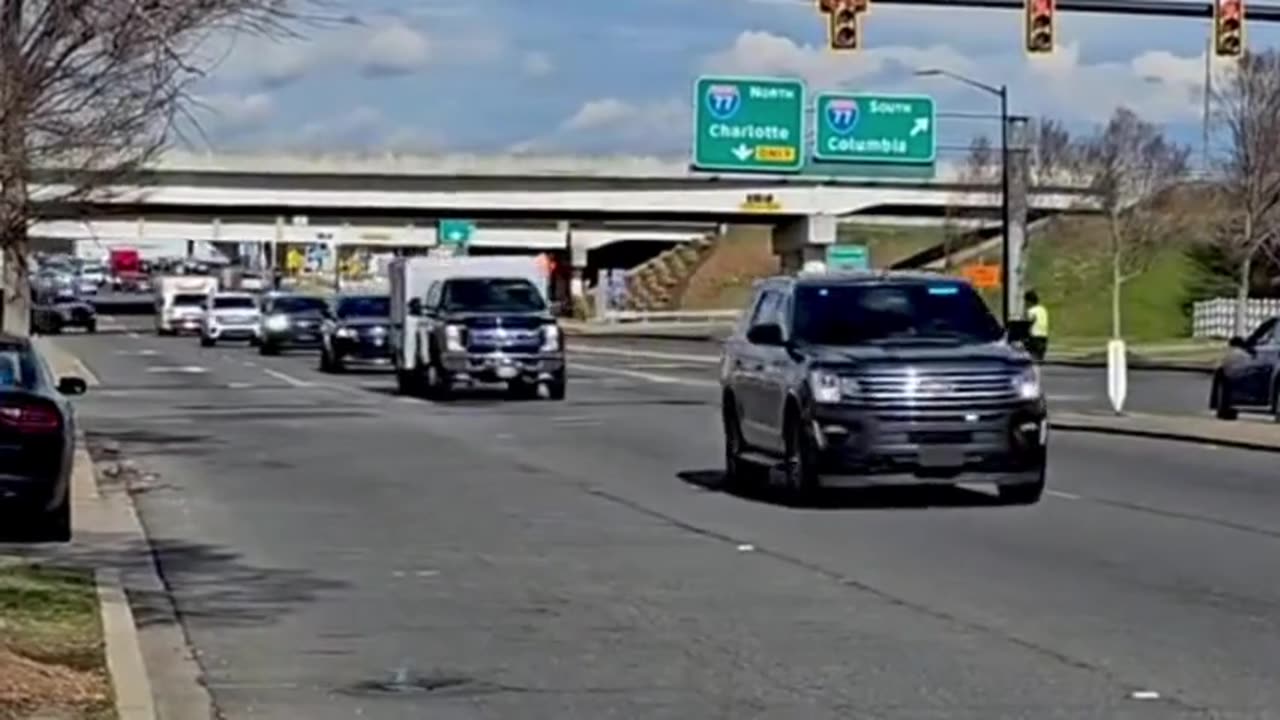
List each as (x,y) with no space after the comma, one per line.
(592,77)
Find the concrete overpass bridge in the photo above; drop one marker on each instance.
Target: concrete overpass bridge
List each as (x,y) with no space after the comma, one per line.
(266,198)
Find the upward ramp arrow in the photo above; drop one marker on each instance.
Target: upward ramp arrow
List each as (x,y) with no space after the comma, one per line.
(921,126)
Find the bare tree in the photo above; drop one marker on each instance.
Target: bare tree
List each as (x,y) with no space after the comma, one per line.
(979,167)
(89,94)
(1136,171)
(1246,108)
(1053,153)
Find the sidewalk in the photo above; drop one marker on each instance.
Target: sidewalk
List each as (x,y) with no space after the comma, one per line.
(1247,434)
(109,541)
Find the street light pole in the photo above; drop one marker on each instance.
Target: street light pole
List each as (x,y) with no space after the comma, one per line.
(1002,93)
(1004,204)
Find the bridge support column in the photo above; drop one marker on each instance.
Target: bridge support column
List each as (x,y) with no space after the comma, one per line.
(802,243)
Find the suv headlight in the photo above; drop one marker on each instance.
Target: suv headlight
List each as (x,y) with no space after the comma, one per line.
(277,323)
(826,386)
(453,338)
(550,339)
(345,332)
(1027,383)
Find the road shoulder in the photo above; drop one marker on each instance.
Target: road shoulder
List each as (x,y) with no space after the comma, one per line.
(153,672)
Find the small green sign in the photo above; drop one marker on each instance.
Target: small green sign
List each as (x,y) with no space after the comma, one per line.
(456,232)
(866,128)
(848,257)
(748,124)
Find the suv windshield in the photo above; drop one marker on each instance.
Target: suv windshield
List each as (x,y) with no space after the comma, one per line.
(298,305)
(891,313)
(492,295)
(373,306)
(187,300)
(241,302)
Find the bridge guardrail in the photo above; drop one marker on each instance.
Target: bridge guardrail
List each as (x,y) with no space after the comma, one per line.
(644,317)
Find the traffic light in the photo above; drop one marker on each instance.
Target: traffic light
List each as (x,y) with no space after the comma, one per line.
(1040,26)
(843,27)
(1228,28)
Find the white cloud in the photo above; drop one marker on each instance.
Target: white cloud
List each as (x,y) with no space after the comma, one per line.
(1162,86)
(537,64)
(394,49)
(613,125)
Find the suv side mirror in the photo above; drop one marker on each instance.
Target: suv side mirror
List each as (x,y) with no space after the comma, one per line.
(1018,331)
(72,386)
(1238,343)
(415,307)
(766,334)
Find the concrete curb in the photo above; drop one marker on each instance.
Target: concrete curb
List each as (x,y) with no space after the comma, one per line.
(125,665)
(1102,426)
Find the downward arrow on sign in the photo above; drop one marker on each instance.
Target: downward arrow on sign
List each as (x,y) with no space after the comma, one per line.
(742,152)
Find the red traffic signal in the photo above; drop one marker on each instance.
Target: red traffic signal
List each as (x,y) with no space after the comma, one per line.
(1228,28)
(843,31)
(1041,24)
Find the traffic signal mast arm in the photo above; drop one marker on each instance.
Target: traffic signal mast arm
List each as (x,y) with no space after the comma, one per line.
(1269,12)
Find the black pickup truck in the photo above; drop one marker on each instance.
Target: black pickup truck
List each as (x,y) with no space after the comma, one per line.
(488,330)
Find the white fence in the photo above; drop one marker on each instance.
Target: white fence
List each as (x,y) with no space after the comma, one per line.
(1216,318)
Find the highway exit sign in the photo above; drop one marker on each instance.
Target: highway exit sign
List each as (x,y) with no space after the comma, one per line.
(455,233)
(867,128)
(749,124)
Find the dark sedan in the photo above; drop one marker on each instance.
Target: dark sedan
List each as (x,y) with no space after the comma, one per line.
(357,331)
(291,321)
(54,311)
(37,444)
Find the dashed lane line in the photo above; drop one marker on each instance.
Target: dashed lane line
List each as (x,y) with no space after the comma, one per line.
(285,377)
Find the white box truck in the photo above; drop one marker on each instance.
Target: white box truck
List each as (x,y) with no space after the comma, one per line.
(474,320)
(180,302)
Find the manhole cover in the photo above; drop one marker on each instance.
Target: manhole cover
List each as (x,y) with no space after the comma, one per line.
(402,683)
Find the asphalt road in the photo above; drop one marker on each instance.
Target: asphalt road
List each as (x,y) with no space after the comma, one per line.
(1069,388)
(337,551)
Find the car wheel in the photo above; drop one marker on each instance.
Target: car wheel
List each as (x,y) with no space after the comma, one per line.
(439,384)
(799,467)
(53,524)
(1022,494)
(206,341)
(558,386)
(268,349)
(735,470)
(1221,399)
(91,327)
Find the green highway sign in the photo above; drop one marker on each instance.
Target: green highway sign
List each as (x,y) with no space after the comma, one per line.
(748,124)
(848,257)
(455,232)
(867,128)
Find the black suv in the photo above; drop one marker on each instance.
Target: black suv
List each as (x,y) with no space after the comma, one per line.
(854,380)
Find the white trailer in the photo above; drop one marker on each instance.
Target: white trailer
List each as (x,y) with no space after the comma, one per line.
(411,282)
(180,301)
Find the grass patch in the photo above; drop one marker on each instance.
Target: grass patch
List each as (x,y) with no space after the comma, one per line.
(52,662)
(889,244)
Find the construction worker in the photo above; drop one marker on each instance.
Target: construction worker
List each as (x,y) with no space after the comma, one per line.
(1038,335)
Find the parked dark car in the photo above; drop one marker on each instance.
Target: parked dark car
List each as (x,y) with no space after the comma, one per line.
(356,331)
(55,309)
(1248,376)
(865,379)
(291,321)
(37,444)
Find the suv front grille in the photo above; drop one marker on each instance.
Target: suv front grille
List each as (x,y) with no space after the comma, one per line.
(934,389)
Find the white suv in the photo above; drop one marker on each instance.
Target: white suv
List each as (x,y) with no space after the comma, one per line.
(230,316)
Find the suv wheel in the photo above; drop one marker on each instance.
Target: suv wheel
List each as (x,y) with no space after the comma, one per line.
(735,470)
(1024,494)
(1221,399)
(799,468)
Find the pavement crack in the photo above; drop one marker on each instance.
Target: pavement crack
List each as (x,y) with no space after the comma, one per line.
(901,602)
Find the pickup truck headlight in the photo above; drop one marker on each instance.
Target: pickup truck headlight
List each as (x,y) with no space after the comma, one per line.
(550,338)
(345,332)
(825,386)
(1027,383)
(453,338)
(277,323)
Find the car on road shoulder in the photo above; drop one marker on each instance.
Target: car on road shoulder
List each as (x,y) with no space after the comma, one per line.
(37,444)
(880,378)
(1248,376)
(356,331)
(291,321)
(52,311)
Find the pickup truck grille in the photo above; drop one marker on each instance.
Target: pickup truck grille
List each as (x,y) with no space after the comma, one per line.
(506,340)
(935,388)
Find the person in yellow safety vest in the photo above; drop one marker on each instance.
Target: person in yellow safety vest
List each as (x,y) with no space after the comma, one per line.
(1038,335)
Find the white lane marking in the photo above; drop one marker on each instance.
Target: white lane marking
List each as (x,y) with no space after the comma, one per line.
(146,352)
(250,363)
(1052,397)
(648,354)
(109,323)
(178,369)
(646,376)
(1144,695)
(134,336)
(660,366)
(1063,495)
(286,378)
(239,385)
